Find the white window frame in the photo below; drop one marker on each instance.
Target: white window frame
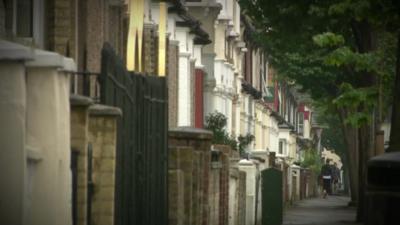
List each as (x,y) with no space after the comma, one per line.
(284,145)
(38,11)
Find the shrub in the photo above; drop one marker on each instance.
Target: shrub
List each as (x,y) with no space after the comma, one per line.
(216,122)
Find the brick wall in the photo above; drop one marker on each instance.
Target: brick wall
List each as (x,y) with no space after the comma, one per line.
(79,143)
(200,179)
(150,46)
(95,125)
(224,183)
(214,194)
(173,59)
(59,25)
(241,216)
(86,24)
(176,188)
(103,137)
(181,161)
(200,142)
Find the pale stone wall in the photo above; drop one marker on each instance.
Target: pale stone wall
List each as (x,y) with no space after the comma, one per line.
(48,134)
(13,155)
(35,160)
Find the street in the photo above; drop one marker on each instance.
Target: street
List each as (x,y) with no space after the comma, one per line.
(330,211)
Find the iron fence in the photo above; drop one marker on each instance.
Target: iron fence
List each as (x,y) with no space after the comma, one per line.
(85,83)
(141,162)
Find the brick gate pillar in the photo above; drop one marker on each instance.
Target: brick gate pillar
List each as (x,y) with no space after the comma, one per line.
(200,141)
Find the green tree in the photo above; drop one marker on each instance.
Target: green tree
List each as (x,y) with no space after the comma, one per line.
(312,161)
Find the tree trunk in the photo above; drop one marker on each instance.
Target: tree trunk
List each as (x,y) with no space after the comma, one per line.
(351,140)
(365,38)
(365,143)
(394,143)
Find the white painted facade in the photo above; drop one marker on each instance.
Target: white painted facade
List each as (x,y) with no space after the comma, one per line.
(222,61)
(273,132)
(284,139)
(189,54)
(184,85)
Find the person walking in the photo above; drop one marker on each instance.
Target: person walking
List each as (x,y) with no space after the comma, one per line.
(335,178)
(326,175)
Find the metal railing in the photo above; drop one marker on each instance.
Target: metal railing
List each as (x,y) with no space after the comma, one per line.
(85,83)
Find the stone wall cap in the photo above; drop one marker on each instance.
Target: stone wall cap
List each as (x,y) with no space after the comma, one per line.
(294,166)
(80,100)
(190,132)
(51,59)
(260,152)
(211,4)
(104,110)
(245,162)
(14,51)
(174,42)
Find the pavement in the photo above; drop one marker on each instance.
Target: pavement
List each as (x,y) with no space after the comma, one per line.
(330,211)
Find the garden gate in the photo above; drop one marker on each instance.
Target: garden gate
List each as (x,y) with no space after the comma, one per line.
(272,196)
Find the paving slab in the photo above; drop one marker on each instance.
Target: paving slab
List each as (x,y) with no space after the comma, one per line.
(318,211)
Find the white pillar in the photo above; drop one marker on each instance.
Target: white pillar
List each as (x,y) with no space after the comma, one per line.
(250,169)
(184,90)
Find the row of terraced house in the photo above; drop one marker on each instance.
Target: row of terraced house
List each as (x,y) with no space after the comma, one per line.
(67,155)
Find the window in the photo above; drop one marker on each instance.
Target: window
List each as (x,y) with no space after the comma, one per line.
(25,19)
(282,146)
(300,125)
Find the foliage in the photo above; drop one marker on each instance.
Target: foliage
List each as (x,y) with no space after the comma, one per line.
(244,141)
(312,160)
(353,99)
(332,136)
(320,46)
(339,51)
(216,122)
